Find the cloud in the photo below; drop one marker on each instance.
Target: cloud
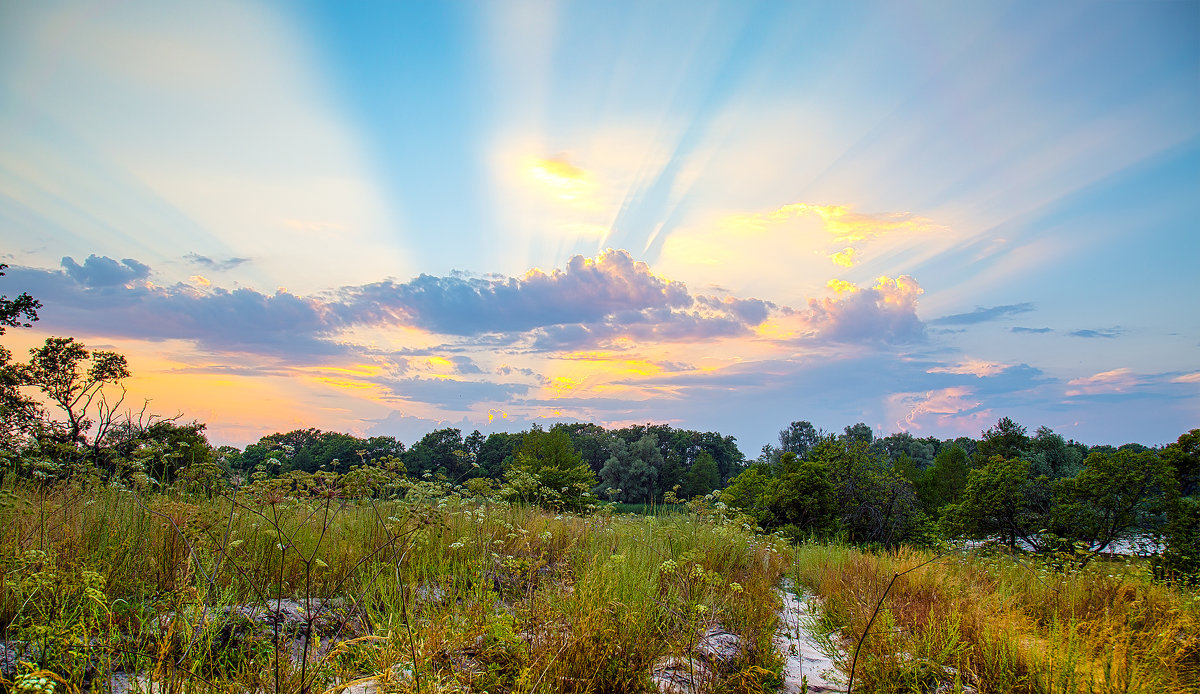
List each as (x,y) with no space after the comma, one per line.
(973,367)
(844,257)
(944,408)
(1187,378)
(280,324)
(983,315)
(101,271)
(218,265)
(1107,333)
(587,291)
(1032,331)
(885,312)
(843,222)
(1114,381)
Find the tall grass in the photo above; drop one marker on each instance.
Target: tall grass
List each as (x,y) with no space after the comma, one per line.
(439,592)
(1002,623)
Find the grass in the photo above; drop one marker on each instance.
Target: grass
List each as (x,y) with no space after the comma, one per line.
(1002,623)
(438,593)
(305,591)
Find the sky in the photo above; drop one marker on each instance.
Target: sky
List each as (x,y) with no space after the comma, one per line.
(387,218)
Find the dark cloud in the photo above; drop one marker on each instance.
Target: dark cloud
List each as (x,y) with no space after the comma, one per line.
(211,264)
(983,315)
(1037,331)
(1108,333)
(279,324)
(465,366)
(751,311)
(101,271)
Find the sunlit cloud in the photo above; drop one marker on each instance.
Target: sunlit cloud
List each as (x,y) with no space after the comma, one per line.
(1187,378)
(979,368)
(947,409)
(844,257)
(1114,381)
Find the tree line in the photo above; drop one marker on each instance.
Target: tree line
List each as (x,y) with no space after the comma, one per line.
(1041,493)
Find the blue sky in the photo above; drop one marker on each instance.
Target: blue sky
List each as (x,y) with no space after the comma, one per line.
(385,218)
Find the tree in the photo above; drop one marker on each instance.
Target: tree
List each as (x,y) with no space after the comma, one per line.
(1006,439)
(438,451)
(858,433)
(702,478)
(1180,560)
(874,504)
(632,469)
(944,481)
(548,471)
(72,378)
(1052,456)
(799,438)
(802,501)
(1001,499)
(20,312)
(1113,497)
(18,414)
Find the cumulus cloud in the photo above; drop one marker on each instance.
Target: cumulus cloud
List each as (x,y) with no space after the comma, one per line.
(885,312)
(983,315)
(101,271)
(586,291)
(219,319)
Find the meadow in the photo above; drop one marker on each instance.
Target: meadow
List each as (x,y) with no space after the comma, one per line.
(298,588)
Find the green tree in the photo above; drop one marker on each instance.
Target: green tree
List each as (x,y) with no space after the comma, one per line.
(20,312)
(702,478)
(802,501)
(548,471)
(439,451)
(1180,560)
(1052,456)
(632,469)
(799,438)
(748,493)
(874,504)
(1115,496)
(944,481)
(73,378)
(1001,499)
(1006,439)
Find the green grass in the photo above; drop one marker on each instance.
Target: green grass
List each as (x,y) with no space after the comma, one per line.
(442,593)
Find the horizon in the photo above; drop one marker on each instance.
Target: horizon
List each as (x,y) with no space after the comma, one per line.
(386,220)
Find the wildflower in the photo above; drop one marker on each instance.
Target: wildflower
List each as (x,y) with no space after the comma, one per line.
(457,545)
(735,587)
